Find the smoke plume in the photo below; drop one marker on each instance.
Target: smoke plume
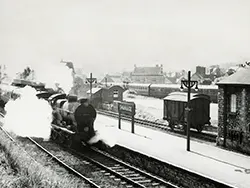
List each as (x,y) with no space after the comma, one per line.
(55,76)
(28,115)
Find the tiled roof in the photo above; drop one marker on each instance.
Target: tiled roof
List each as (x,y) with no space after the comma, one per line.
(241,77)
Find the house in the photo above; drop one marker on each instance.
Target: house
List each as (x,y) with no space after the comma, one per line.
(151,75)
(198,77)
(234,111)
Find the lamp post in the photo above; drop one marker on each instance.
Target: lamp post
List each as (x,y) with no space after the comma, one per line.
(91,80)
(188,84)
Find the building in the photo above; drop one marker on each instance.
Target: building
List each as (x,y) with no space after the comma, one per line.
(234,111)
(151,75)
(106,95)
(201,70)
(112,78)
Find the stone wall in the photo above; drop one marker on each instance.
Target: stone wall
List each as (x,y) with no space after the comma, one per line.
(237,124)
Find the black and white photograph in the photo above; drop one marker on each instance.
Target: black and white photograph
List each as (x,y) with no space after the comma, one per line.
(125,93)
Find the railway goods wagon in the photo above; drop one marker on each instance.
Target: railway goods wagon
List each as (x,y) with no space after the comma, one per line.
(174,110)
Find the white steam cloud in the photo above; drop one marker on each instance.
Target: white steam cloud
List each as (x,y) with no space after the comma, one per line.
(105,135)
(28,115)
(55,75)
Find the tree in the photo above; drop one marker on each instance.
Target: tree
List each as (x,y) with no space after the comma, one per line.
(25,73)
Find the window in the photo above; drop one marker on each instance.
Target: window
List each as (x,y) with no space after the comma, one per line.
(115,94)
(233,103)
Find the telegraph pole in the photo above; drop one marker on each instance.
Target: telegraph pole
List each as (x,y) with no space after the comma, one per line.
(91,80)
(188,84)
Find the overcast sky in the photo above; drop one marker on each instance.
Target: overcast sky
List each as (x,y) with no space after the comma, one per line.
(113,35)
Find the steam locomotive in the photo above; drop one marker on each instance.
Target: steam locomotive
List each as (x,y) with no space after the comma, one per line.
(66,121)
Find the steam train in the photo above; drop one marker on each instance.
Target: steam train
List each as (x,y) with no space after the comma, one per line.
(67,119)
(162,90)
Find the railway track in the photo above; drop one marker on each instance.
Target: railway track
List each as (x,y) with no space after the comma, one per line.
(115,169)
(120,171)
(61,163)
(110,166)
(162,127)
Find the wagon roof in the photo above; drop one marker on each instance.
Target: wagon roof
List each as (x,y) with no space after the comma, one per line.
(182,96)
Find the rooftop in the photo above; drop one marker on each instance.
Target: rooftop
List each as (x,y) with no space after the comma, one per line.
(147,71)
(241,77)
(182,96)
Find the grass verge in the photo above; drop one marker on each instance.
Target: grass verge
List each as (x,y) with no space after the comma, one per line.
(31,173)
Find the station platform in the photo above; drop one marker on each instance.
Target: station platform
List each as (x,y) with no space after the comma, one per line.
(204,158)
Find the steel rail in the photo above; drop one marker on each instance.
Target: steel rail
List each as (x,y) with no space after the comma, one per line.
(60,162)
(120,169)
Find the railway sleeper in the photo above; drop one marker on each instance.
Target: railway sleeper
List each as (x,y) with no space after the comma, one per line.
(155,184)
(122,170)
(137,178)
(132,175)
(127,173)
(116,167)
(146,181)
(129,186)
